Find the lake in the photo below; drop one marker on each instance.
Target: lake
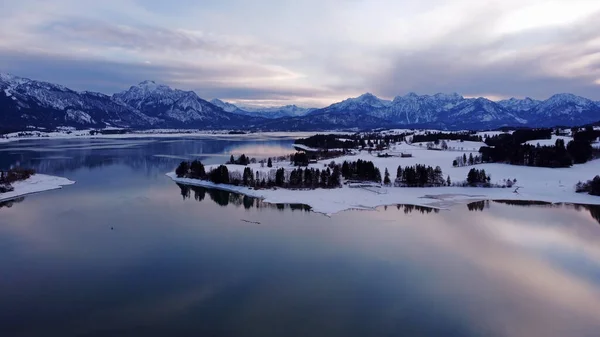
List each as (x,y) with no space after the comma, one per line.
(127,252)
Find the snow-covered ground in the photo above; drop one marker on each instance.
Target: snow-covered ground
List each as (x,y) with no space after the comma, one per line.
(551,141)
(536,183)
(157,133)
(35,184)
(456,145)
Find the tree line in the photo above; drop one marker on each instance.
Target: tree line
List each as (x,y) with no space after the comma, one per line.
(436,137)
(296,178)
(464,161)
(241,160)
(355,141)
(558,155)
(509,148)
(420,176)
(478,178)
(326,142)
(361,170)
(518,137)
(591,186)
(13,175)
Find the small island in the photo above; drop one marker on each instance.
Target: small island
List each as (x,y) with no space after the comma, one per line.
(332,173)
(17,182)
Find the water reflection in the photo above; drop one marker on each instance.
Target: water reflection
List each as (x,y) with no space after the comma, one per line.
(414,208)
(142,155)
(478,206)
(192,268)
(594,210)
(226,198)
(11,203)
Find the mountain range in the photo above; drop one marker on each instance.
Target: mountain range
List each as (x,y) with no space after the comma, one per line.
(26,103)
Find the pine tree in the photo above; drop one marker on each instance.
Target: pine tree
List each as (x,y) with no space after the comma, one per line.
(386,179)
(248,177)
(346,170)
(464,159)
(182,170)
(471,161)
(438,176)
(448,181)
(334,180)
(197,170)
(231,160)
(324,178)
(269,163)
(280,177)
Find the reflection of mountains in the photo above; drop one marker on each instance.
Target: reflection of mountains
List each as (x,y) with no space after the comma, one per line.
(225,198)
(140,157)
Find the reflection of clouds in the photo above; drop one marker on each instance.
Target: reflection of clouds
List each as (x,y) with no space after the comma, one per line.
(155,309)
(466,260)
(528,295)
(482,269)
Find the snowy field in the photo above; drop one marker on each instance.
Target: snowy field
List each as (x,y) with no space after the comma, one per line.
(536,183)
(35,184)
(456,145)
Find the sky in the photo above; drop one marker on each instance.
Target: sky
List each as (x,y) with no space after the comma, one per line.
(308,52)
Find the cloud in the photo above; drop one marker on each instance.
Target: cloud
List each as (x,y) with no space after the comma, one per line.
(535,63)
(310,52)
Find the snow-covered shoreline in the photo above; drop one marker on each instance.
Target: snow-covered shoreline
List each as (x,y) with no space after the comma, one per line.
(331,201)
(35,184)
(159,133)
(555,185)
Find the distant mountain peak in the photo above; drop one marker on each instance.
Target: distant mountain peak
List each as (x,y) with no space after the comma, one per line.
(25,102)
(367,95)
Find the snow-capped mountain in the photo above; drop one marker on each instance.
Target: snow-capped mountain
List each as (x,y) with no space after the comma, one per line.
(456,112)
(227,106)
(25,102)
(565,109)
(365,103)
(480,112)
(174,107)
(263,112)
(519,105)
(28,102)
(414,109)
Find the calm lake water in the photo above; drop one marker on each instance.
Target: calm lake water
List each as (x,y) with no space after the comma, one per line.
(184,261)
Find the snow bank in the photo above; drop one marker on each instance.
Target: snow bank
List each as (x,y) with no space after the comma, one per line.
(35,184)
(536,183)
(305,148)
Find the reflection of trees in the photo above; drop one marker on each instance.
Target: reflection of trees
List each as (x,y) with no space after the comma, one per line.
(593,209)
(10,203)
(478,205)
(225,198)
(411,208)
(524,203)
